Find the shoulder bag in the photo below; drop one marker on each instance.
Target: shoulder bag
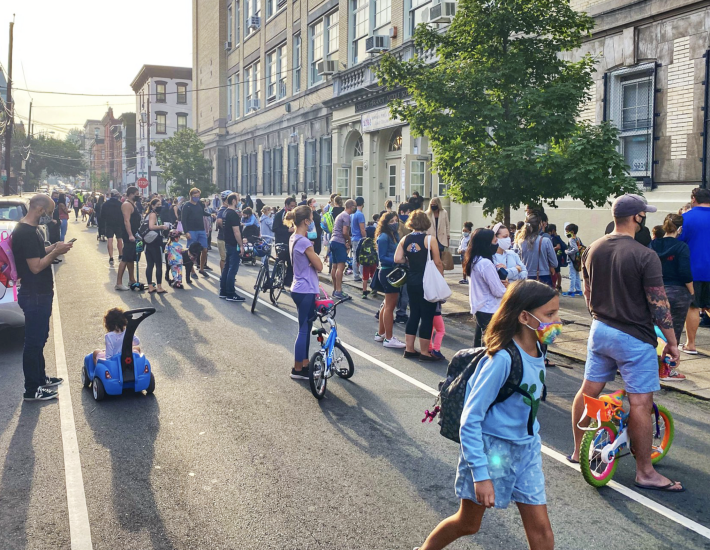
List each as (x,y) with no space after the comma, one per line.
(435,287)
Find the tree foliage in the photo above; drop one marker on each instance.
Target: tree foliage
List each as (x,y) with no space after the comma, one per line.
(501,106)
(55,156)
(183,164)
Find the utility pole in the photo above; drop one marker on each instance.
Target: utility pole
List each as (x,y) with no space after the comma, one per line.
(150,160)
(9,128)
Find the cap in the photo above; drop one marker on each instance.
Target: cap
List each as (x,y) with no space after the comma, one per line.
(360,201)
(115,192)
(630,205)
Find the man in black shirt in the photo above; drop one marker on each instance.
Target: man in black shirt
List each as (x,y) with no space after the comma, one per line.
(34,269)
(193,224)
(112,219)
(232,226)
(131,224)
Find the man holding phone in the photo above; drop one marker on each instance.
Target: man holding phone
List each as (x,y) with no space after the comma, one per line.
(36,293)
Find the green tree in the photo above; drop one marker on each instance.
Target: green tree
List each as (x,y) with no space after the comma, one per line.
(53,156)
(183,164)
(501,106)
(75,136)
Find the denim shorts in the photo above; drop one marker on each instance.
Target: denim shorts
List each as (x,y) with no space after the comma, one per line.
(197,236)
(515,470)
(609,349)
(339,252)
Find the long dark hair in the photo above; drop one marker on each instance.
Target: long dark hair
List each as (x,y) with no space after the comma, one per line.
(525,295)
(62,199)
(383,225)
(478,247)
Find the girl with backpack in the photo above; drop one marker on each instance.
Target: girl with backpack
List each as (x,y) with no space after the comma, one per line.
(500,458)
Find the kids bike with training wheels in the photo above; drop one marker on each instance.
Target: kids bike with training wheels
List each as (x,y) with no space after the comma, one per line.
(332,358)
(607,436)
(274,281)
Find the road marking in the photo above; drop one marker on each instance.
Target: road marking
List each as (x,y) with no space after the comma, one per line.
(552,453)
(79,528)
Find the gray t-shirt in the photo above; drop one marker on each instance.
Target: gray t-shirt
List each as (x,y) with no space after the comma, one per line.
(343,220)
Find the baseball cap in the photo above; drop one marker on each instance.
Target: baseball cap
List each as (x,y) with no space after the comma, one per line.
(630,205)
(115,193)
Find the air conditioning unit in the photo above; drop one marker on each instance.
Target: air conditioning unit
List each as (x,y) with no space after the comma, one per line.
(442,12)
(377,44)
(253,105)
(327,67)
(228,45)
(254,22)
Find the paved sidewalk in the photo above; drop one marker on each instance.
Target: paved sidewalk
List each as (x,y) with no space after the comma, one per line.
(572,344)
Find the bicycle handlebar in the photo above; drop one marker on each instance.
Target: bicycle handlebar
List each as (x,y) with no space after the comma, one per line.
(331,310)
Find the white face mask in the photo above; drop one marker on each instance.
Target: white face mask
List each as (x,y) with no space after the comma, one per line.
(504,243)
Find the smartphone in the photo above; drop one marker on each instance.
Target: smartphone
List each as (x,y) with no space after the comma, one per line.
(72,241)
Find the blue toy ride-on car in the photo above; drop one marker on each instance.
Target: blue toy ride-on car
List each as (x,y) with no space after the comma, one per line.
(127,370)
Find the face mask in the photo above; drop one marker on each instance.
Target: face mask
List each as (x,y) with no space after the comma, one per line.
(45,219)
(403,218)
(394,227)
(546,332)
(494,248)
(195,199)
(434,208)
(158,209)
(466,233)
(504,243)
(570,235)
(642,224)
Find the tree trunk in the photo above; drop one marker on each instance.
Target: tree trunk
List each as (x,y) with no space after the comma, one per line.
(506,215)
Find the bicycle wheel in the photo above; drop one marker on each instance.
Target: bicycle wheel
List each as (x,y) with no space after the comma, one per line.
(316,375)
(257,286)
(595,471)
(277,282)
(342,362)
(666,433)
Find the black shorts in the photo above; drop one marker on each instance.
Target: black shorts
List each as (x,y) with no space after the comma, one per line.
(702,294)
(113,231)
(129,251)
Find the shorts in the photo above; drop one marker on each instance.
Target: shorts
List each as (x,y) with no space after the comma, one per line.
(129,251)
(338,252)
(702,295)
(197,236)
(514,468)
(222,251)
(387,288)
(113,231)
(609,349)
(368,271)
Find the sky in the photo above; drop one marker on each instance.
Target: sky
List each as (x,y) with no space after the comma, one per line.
(88,46)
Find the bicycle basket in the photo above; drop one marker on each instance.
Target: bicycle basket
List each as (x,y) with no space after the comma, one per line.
(282,252)
(397,277)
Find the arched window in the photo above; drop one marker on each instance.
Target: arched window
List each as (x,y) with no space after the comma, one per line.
(395,141)
(358,147)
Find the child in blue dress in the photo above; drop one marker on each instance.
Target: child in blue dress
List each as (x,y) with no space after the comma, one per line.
(499,460)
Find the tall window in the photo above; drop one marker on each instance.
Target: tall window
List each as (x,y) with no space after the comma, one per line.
(252,88)
(270,7)
(293,168)
(276,70)
(392,180)
(251,8)
(311,166)
(245,174)
(181,122)
(395,143)
(416,14)
(323,43)
(296,63)
(237,22)
(253,175)
(383,13)
(342,182)
(266,166)
(182,93)
(441,188)
(160,93)
(417,174)
(278,170)
(161,123)
(359,181)
(326,165)
(360,26)
(281,71)
(230,111)
(235,86)
(357,150)
(230,24)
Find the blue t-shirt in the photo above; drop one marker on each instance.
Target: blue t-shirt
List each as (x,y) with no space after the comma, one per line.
(696,228)
(355,220)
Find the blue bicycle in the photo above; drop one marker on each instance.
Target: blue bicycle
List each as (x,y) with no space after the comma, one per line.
(332,357)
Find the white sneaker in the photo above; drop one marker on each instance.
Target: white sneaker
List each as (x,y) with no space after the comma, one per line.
(121,287)
(379,337)
(393,343)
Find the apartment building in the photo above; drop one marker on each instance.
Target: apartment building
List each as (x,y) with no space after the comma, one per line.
(322,123)
(126,135)
(92,131)
(163,107)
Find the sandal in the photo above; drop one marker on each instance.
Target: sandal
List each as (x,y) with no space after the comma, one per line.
(151,290)
(683,348)
(163,291)
(670,488)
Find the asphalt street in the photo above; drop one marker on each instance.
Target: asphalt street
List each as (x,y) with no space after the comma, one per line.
(231,453)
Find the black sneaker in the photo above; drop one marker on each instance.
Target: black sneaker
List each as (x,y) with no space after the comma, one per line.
(53,382)
(120,258)
(42,394)
(401,320)
(194,276)
(110,261)
(208,268)
(235,298)
(428,358)
(223,296)
(299,374)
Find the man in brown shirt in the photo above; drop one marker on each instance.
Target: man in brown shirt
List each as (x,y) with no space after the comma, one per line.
(623,286)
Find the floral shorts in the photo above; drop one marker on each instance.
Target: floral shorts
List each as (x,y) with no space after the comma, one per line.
(515,470)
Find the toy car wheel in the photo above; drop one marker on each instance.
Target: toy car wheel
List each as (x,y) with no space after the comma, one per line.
(85,380)
(151,387)
(98,389)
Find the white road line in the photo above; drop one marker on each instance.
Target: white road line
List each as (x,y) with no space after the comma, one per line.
(79,529)
(552,453)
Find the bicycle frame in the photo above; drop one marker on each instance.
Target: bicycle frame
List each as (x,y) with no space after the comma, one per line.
(329,345)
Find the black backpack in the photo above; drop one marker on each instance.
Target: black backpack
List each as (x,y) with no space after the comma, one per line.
(452,390)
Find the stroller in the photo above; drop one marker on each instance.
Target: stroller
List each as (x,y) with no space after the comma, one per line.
(251,236)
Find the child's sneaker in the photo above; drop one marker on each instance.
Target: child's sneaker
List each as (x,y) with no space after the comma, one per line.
(366,294)
(579,293)
(569,294)
(437,353)
(672,376)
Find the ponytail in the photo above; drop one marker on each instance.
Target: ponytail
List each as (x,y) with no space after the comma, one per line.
(298,215)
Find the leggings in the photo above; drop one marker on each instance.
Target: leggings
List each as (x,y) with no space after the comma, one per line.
(76,214)
(420,311)
(154,259)
(306,305)
(482,321)
(438,335)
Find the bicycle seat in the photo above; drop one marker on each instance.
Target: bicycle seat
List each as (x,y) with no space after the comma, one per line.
(318,331)
(614,399)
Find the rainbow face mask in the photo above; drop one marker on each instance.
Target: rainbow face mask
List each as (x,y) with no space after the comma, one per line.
(546,332)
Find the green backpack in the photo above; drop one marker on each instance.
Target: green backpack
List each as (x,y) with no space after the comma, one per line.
(326,222)
(367,252)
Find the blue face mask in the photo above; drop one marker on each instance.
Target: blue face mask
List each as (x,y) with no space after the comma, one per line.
(195,199)
(403,218)
(394,227)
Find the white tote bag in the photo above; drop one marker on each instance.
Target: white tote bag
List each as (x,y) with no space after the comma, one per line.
(435,287)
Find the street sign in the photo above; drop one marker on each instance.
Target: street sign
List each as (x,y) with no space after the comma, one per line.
(142,183)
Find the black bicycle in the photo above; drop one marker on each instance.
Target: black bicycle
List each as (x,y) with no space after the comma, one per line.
(268,279)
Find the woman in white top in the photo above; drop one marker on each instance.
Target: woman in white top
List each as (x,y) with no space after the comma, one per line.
(505,257)
(485,286)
